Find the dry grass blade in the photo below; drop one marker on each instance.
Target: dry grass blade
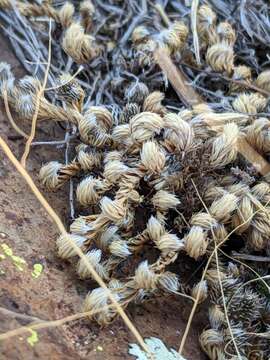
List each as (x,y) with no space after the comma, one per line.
(39,94)
(194,9)
(193,310)
(163,15)
(259,163)
(66,82)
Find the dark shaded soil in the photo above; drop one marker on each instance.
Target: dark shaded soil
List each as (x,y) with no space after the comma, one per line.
(57,293)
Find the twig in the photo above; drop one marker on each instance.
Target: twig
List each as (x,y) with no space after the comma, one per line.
(193,310)
(15,315)
(184,295)
(71,199)
(177,78)
(53,143)
(39,95)
(67,141)
(250,257)
(258,162)
(32,186)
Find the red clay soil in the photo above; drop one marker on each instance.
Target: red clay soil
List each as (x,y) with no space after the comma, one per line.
(57,292)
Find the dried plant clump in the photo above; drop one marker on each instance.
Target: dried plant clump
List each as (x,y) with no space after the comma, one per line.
(135,170)
(146,41)
(159,184)
(79,46)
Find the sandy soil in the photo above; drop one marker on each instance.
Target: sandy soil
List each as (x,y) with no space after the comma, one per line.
(57,292)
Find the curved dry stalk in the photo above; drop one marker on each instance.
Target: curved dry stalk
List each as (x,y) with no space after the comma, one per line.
(39,95)
(68,81)
(178,80)
(194,9)
(16,315)
(43,324)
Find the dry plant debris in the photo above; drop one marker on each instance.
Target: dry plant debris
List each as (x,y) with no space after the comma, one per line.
(157,182)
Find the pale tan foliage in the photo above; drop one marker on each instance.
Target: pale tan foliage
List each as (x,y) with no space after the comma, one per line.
(65,249)
(174,38)
(78,45)
(49,174)
(90,190)
(87,11)
(200,291)
(140,34)
(119,248)
(114,210)
(66,14)
(145,125)
(152,157)
(113,170)
(226,33)
(258,135)
(164,200)
(263,80)
(216,316)
(207,24)
(94,257)
(178,135)
(249,103)
(240,73)
(196,242)
(212,343)
(220,57)
(224,148)
(153,103)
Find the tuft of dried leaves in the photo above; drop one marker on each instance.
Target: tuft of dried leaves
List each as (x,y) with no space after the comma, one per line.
(136,151)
